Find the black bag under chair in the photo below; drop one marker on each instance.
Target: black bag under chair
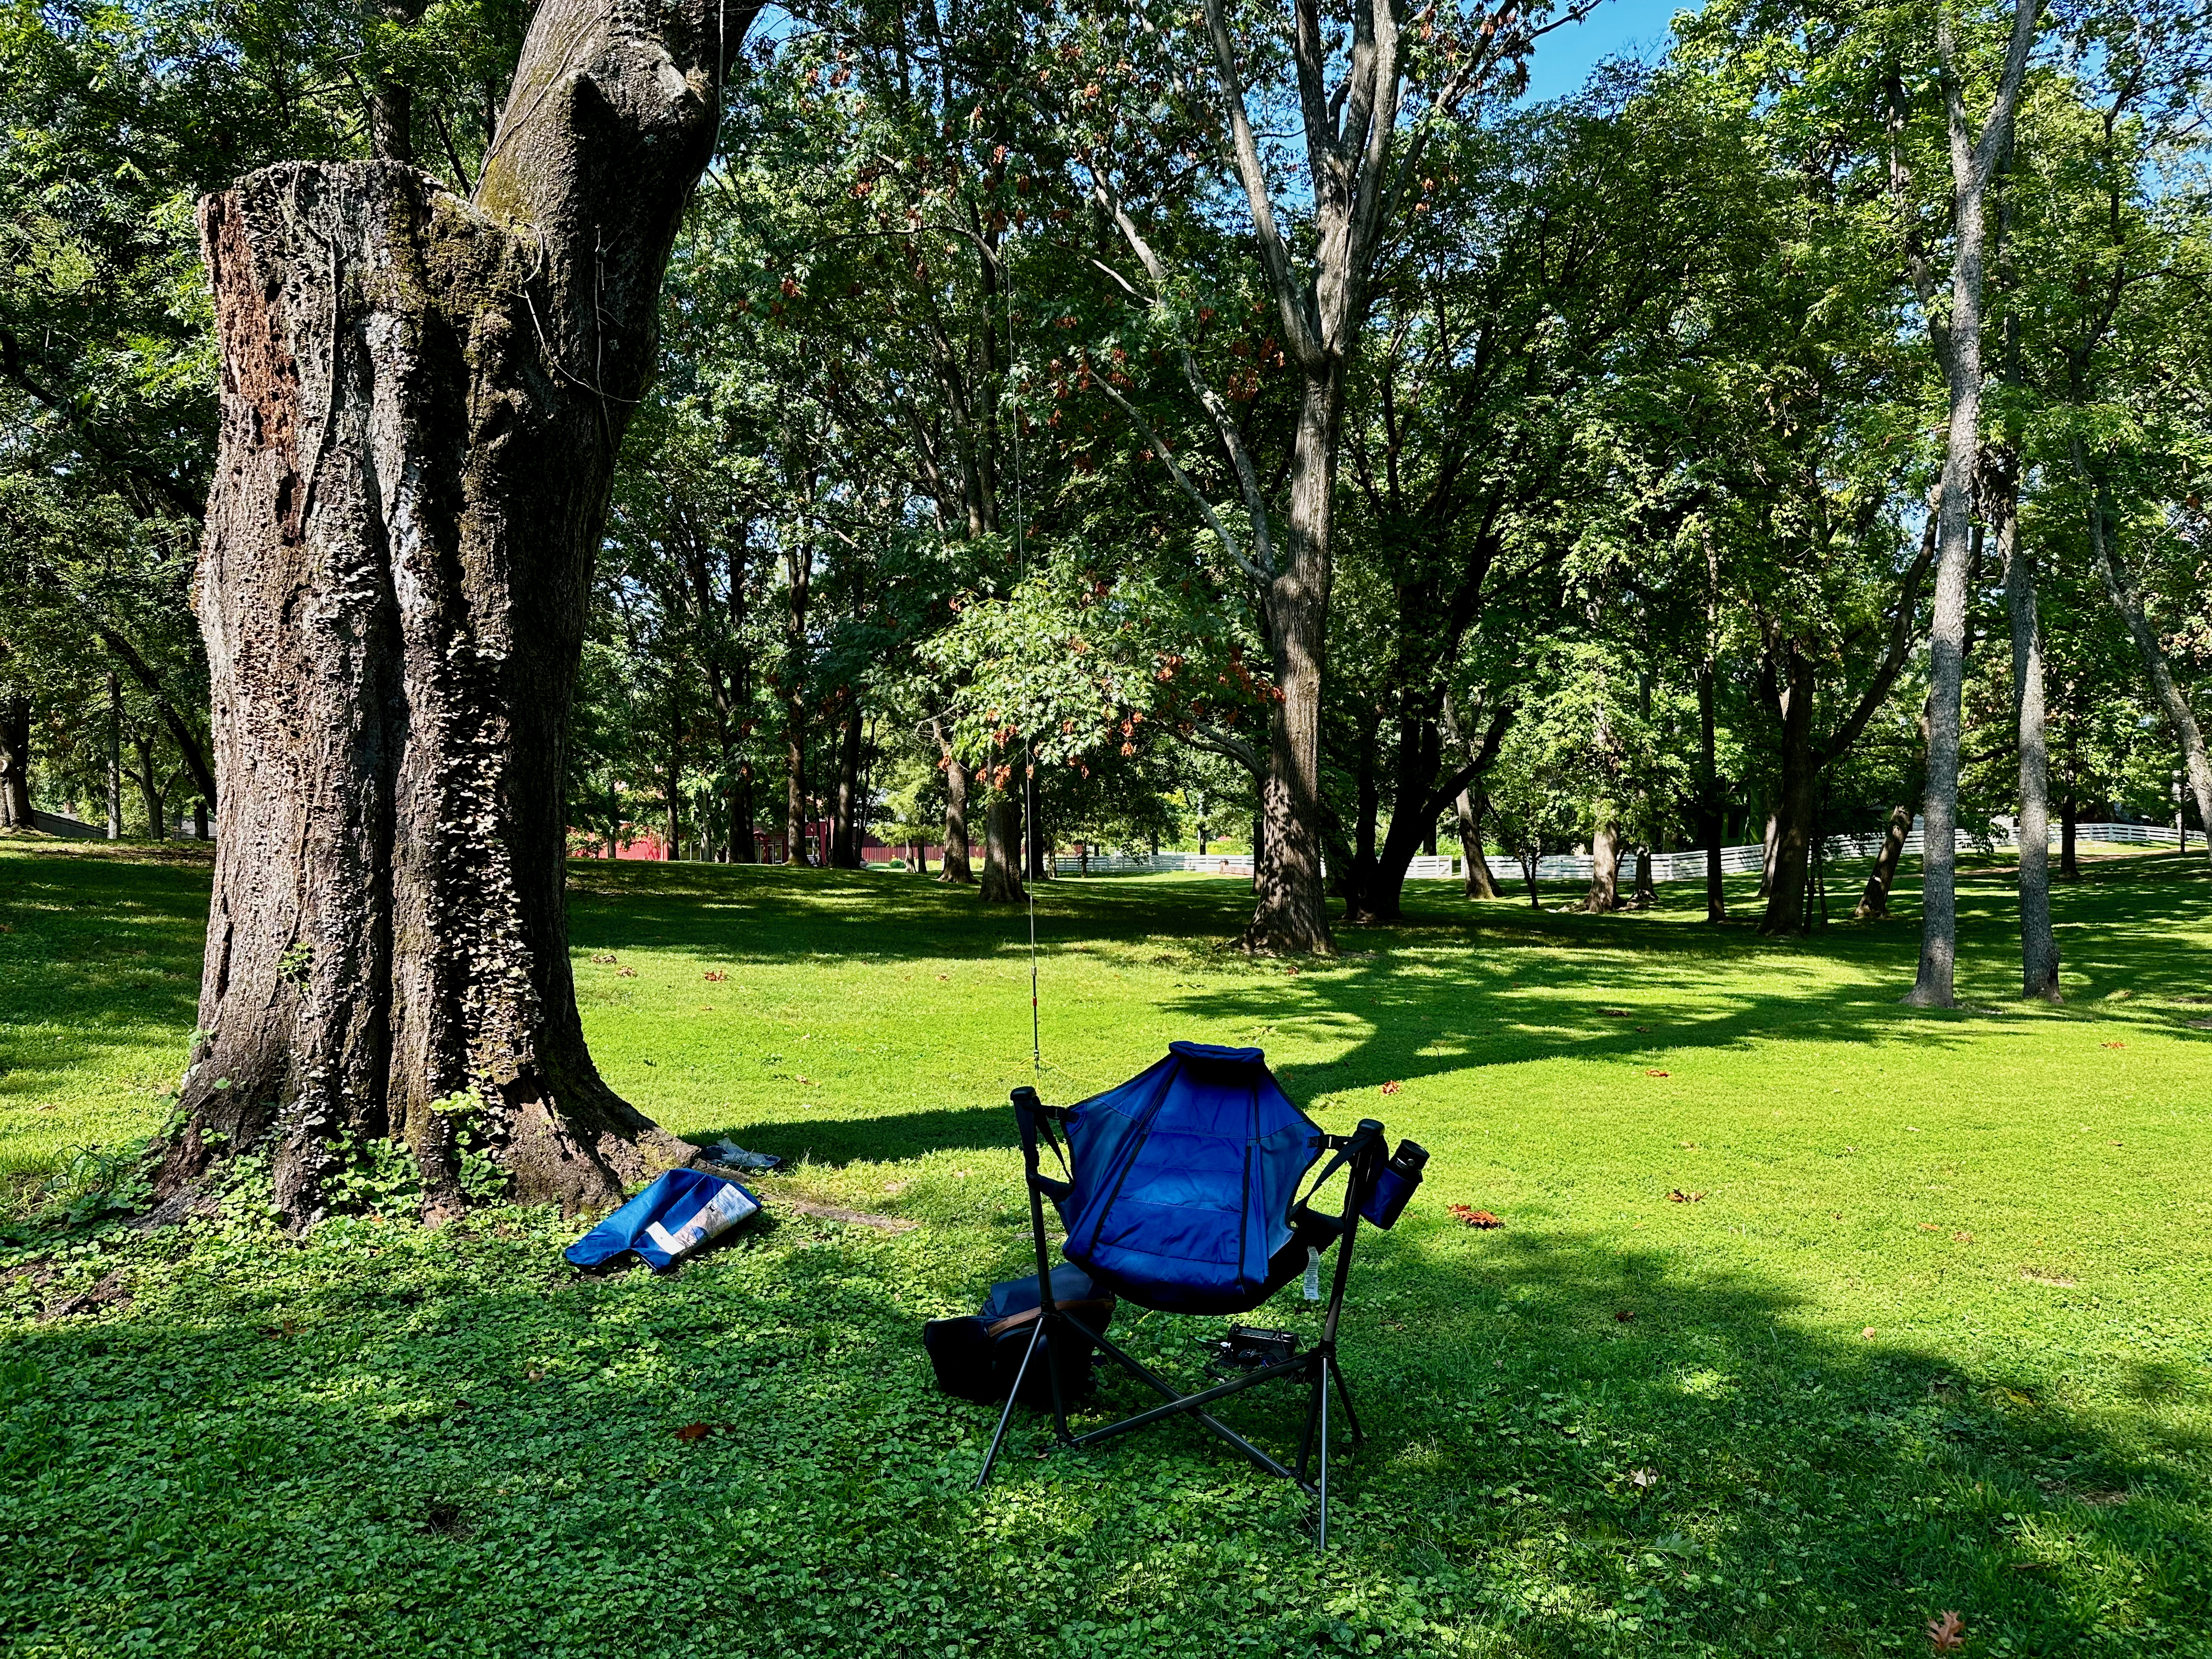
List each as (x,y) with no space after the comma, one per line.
(980,1357)
(1181,1196)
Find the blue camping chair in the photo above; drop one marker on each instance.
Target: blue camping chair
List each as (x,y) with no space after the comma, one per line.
(1182,1196)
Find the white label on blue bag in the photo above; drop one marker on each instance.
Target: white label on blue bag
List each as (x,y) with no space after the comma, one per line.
(716,1216)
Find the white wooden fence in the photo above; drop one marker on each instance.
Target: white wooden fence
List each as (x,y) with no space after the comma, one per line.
(1688,865)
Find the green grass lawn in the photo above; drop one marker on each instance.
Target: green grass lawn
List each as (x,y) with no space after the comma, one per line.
(1937,1334)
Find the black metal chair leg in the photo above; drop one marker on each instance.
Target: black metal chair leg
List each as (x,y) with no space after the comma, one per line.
(1313,1412)
(992,1456)
(1344,1398)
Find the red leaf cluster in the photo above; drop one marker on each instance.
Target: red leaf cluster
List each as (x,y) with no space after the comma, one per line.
(1472,1218)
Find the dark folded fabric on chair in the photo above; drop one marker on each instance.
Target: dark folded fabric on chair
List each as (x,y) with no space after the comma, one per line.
(1183,1180)
(977,1357)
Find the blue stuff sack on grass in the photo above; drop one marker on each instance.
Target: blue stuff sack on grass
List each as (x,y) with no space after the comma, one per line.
(671,1218)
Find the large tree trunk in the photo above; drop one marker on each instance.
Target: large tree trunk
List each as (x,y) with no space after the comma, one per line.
(1604,893)
(955,866)
(1873,903)
(1467,806)
(1002,842)
(1292,917)
(1773,840)
(1647,894)
(422,402)
(2039,945)
(15,763)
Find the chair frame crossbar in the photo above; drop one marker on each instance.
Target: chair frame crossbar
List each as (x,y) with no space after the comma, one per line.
(1317,1368)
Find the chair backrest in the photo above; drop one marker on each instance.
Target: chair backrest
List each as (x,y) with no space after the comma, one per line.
(1182,1179)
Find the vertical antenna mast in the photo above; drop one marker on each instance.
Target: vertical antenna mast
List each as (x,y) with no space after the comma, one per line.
(1030,836)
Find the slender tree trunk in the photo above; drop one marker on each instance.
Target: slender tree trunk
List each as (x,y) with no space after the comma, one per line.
(2039,944)
(422,401)
(1647,894)
(113,738)
(1605,870)
(1467,806)
(845,833)
(2119,587)
(1874,903)
(391,104)
(1292,917)
(1002,842)
(1956,337)
(1798,799)
(1708,797)
(671,793)
(199,820)
(2070,815)
(1528,856)
(741,815)
(150,793)
(955,866)
(15,762)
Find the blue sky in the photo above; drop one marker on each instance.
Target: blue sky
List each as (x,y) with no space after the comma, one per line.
(1619,29)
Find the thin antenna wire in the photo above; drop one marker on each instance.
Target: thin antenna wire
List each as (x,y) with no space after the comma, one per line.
(1030,836)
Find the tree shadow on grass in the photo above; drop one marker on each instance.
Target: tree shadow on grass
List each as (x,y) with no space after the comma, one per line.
(342,1445)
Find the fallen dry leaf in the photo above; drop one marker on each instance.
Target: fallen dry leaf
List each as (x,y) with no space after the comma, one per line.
(1626,1316)
(1868,1332)
(1617,1013)
(604,957)
(534,1375)
(1947,1634)
(625,973)
(715,976)
(1929,1227)
(693,1432)
(1656,1072)
(1392,1087)
(1644,1479)
(1962,1238)
(1475,1218)
(1678,1196)
(2112,1045)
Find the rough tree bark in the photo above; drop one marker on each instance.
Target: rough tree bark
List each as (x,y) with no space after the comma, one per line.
(2070,817)
(422,399)
(2039,945)
(15,763)
(1002,843)
(845,831)
(1956,336)
(1604,893)
(1708,797)
(956,865)
(1874,903)
(1467,806)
